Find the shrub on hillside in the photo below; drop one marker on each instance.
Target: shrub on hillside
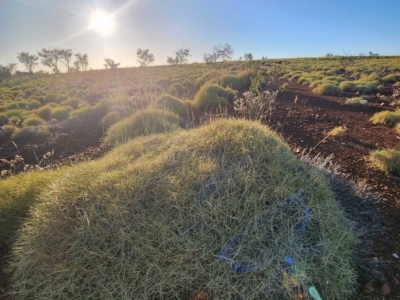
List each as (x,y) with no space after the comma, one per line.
(93,97)
(74,103)
(33,120)
(327,89)
(110,119)
(3,119)
(61,98)
(9,129)
(173,104)
(180,89)
(212,96)
(172,91)
(143,122)
(239,82)
(18,105)
(34,104)
(91,115)
(45,111)
(49,98)
(31,134)
(61,113)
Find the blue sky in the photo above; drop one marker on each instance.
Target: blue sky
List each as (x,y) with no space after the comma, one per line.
(271,28)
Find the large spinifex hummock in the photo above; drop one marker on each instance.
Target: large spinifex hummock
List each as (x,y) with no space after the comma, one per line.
(147,221)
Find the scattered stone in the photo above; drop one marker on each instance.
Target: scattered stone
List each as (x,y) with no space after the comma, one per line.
(375,259)
(395,256)
(368,288)
(385,289)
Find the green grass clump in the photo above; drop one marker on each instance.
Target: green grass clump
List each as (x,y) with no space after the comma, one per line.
(327,89)
(144,122)
(387,160)
(3,119)
(30,134)
(338,131)
(33,120)
(239,82)
(173,104)
(212,96)
(347,86)
(146,221)
(179,88)
(61,98)
(34,104)
(18,105)
(75,103)
(61,113)
(388,118)
(8,129)
(109,119)
(45,111)
(50,98)
(391,78)
(357,102)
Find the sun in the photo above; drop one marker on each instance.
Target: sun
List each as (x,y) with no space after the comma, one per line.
(101,22)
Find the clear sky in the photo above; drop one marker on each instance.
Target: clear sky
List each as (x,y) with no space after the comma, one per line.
(271,28)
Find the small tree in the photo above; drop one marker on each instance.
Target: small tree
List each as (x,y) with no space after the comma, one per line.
(50,58)
(372,54)
(144,57)
(219,52)
(110,63)
(30,61)
(82,60)
(180,57)
(248,56)
(4,72)
(66,56)
(77,65)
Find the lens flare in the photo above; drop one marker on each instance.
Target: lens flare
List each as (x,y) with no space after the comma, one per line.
(101,22)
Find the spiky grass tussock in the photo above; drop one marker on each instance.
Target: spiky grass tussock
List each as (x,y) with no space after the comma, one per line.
(387,160)
(327,89)
(337,131)
(388,118)
(357,101)
(212,96)
(144,122)
(173,104)
(147,220)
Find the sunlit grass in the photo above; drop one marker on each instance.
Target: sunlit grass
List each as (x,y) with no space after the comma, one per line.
(147,220)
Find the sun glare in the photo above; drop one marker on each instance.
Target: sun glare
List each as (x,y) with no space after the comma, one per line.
(101,22)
